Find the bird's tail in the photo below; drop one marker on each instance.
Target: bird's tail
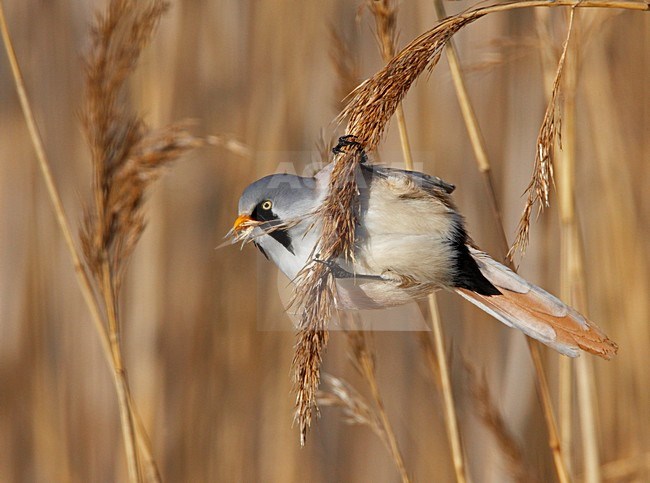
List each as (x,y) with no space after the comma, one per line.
(536,312)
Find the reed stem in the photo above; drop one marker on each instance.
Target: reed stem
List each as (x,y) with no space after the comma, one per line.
(55,199)
(108,349)
(451,420)
(573,289)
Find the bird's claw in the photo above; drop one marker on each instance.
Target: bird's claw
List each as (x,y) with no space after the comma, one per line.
(334,269)
(350,140)
(338,272)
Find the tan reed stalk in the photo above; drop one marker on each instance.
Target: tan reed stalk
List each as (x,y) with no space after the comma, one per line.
(123,390)
(546,143)
(484,167)
(119,377)
(55,198)
(385,14)
(427,346)
(573,288)
(571,259)
(150,467)
(588,415)
(451,421)
(565,365)
(547,409)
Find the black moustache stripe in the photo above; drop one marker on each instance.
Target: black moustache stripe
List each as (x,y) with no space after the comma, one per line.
(278,234)
(283,238)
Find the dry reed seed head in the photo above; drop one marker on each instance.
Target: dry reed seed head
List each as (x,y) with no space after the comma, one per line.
(243,230)
(118,37)
(126,157)
(315,287)
(307,361)
(339,393)
(339,211)
(375,100)
(539,187)
(317,304)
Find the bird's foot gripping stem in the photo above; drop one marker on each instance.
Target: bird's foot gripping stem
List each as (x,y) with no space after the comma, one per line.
(350,140)
(339,272)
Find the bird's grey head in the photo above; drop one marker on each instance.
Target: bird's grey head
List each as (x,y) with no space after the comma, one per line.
(276,200)
(278,197)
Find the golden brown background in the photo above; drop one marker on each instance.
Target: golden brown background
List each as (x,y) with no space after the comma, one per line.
(213,389)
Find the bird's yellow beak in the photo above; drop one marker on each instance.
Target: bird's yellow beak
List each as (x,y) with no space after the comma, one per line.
(241,220)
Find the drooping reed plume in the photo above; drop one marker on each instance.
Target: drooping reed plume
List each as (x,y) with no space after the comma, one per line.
(550,134)
(315,291)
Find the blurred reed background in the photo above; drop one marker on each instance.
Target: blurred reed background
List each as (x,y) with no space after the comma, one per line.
(211,383)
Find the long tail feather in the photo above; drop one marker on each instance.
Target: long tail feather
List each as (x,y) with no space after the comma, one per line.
(536,312)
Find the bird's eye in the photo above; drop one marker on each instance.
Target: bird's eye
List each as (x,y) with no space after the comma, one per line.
(267,205)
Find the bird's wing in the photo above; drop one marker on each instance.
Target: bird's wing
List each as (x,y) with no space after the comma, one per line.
(432,184)
(536,312)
